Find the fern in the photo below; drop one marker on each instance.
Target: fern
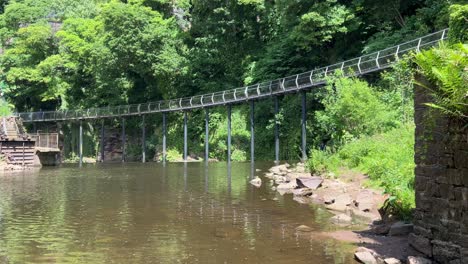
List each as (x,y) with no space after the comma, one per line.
(447,68)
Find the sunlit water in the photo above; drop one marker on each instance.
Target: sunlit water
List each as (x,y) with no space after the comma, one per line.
(147,213)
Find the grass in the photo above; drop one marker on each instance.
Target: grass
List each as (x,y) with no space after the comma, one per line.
(387,158)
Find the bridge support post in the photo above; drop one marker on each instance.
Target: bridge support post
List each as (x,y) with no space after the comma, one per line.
(252,131)
(102,140)
(80,147)
(123,140)
(185,136)
(303,127)
(164,138)
(276,130)
(207,130)
(229,110)
(143,139)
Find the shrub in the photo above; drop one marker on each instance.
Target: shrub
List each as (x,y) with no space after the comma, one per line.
(446,67)
(387,159)
(173,155)
(352,109)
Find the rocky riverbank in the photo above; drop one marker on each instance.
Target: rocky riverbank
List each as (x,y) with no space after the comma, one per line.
(360,213)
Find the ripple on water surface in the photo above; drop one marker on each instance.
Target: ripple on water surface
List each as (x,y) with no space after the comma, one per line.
(147,213)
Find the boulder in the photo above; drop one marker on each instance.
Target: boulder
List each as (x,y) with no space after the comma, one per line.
(309,182)
(304,228)
(341,219)
(421,244)
(302,199)
(328,199)
(341,203)
(381,229)
(287,186)
(281,179)
(418,260)
(365,200)
(257,182)
(302,192)
(365,257)
(392,261)
(400,229)
(343,199)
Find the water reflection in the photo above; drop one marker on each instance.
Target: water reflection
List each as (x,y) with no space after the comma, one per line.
(132,213)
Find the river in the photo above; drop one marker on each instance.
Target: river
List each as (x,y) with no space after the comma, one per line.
(150,213)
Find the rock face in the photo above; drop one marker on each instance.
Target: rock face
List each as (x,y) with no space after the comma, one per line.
(441,183)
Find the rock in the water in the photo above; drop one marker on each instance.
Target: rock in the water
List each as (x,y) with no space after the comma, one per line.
(365,257)
(280,179)
(286,186)
(365,200)
(257,170)
(302,199)
(341,219)
(392,261)
(418,260)
(302,192)
(309,182)
(270,175)
(304,228)
(400,229)
(257,182)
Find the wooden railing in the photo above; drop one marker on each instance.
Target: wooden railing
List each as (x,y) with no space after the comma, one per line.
(46,140)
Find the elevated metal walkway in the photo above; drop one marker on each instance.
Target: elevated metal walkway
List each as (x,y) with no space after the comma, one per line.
(364,64)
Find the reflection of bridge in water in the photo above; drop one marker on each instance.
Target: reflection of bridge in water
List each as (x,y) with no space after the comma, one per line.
(302,82)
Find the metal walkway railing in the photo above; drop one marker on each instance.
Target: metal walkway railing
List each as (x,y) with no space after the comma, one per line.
(358,66)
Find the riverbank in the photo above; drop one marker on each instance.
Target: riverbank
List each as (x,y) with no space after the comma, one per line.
(360,214)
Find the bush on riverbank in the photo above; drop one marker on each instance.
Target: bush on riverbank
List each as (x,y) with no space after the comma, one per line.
(387,159)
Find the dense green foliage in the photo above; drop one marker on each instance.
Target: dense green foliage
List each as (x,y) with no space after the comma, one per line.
(370,131)
(70,54)
(446,67)
(387,158)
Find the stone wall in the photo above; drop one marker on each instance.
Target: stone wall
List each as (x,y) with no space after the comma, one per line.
(441,215)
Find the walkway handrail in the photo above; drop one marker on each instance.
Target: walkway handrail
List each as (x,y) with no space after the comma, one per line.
(364,64)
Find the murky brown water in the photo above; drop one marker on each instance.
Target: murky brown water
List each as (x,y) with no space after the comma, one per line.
(147,213)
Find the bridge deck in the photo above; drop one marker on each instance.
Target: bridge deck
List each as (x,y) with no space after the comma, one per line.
(364,64)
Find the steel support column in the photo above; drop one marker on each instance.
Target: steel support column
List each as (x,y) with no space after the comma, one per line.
(143,139)
(276,130)
(124,138)
(80,146)
(303,126)
(229,110)
(207,130)
(185,136)
(252,131)
(102,140)
(164,137)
